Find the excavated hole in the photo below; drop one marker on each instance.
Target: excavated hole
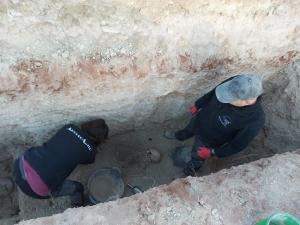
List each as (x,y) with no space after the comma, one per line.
(128,152)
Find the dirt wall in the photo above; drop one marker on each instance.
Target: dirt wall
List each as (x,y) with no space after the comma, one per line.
(240,195)
(133,63)
(282,106)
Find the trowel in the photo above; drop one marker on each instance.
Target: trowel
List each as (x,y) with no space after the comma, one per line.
(135,189)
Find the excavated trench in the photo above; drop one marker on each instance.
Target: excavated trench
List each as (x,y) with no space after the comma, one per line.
(128,151)
(139,65)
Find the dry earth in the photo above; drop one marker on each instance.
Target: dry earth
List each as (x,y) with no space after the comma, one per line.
(240,195)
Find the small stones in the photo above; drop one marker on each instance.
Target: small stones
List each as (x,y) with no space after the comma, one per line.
(214,212)
(171,212)
(65,54)
(38,64)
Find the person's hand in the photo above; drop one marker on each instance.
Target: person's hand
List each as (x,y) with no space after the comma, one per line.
(204,152)
(193,110)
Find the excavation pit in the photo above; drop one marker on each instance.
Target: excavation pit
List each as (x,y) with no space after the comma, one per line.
(140,65)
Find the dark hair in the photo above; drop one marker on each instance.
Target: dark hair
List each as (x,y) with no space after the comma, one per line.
(96,129)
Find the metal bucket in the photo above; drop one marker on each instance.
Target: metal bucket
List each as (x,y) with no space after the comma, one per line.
(105,184)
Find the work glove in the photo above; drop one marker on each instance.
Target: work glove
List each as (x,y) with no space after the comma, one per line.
(204,152)
(193,110)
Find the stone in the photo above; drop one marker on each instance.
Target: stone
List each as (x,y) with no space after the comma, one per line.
(154,155)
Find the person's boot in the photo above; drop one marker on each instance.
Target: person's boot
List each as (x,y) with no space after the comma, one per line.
(77,199)
(169,134)
(192,167)
(87,201)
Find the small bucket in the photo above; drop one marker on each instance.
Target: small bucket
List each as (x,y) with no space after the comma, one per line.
(280,219)
(105,184)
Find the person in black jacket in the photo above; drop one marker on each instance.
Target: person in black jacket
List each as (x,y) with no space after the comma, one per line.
(41,172)
(224,121)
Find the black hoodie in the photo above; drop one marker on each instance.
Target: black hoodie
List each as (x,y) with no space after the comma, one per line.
(57,158)
(226,128)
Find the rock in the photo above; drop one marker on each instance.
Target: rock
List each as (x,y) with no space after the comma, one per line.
(154,155)
(6,186)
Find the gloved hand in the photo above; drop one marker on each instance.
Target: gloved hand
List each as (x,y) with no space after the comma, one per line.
(193,110)
(204,152)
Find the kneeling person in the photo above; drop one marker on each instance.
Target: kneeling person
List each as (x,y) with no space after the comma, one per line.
(41,172)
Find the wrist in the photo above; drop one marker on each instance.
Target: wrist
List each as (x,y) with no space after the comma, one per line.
(193,109)
(204,153)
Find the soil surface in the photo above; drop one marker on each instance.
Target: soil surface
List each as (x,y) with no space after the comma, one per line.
(8,199)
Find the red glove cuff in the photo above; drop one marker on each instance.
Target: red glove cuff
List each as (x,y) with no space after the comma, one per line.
(193,109)
(204,152)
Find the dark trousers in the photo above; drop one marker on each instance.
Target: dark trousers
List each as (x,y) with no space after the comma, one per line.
(67,188)
(188,132)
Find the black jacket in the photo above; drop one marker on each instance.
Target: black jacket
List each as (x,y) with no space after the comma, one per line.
(58,157)
(226,128)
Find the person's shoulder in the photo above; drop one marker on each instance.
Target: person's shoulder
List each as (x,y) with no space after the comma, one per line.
(67,130)
(70,127)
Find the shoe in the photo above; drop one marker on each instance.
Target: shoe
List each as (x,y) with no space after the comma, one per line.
(169,134)
(77,199)
(192,167)
(87,201)
(189,171)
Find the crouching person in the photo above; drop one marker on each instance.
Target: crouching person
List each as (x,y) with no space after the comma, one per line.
(225,120)
(41,172)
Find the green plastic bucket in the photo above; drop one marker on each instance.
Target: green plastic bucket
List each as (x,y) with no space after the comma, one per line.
(280,219)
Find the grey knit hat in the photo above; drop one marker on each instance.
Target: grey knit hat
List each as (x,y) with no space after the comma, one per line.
(241,87)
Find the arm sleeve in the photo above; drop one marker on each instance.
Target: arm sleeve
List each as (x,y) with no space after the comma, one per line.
(204,99)
(239,142)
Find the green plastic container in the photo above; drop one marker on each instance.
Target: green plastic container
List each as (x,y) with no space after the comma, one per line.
(280,219)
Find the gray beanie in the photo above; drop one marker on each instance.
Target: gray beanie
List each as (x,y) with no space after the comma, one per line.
(241,87)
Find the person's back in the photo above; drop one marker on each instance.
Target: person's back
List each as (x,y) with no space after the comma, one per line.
(59,156)
(41,171)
